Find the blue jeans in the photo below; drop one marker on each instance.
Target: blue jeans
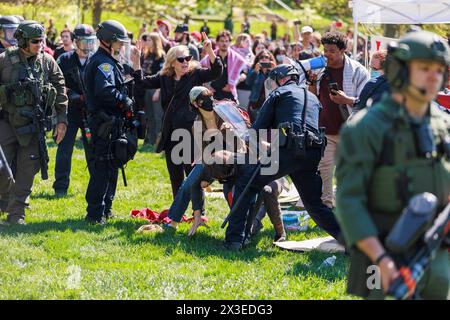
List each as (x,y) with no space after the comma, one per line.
(64,152)
(305,176)
(191,189)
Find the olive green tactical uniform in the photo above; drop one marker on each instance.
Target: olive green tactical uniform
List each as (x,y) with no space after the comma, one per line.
(14,67)
(386,157)
(378,171)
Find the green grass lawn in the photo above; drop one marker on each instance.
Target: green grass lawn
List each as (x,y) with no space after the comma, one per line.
(59,256)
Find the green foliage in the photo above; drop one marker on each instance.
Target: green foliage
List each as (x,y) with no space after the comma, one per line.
(59,256)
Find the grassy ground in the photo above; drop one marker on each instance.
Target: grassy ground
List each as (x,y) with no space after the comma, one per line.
(59,256)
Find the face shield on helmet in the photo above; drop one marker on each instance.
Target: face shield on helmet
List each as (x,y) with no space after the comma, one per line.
(8,33)
(87,44)
(121,51)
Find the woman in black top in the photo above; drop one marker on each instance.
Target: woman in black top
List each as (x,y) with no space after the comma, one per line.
(178,76)
(152,61)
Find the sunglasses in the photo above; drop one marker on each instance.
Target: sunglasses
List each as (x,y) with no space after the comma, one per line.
(182,59)
(264,57)
(36,41)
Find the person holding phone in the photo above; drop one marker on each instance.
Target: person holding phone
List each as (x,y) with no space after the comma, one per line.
(264,62)
(337,87)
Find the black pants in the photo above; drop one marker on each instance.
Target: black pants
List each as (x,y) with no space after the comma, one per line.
(305,176)
(103,179)
(64,153)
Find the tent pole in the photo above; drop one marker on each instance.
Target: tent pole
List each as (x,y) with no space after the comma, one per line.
(355,39)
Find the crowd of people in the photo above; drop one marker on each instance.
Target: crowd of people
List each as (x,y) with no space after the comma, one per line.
(311,91)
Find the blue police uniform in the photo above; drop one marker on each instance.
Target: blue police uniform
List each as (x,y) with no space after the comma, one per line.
(104,80)
(285,104)
(73,71)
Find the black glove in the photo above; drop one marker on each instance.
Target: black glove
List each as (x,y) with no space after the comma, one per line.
(75,98)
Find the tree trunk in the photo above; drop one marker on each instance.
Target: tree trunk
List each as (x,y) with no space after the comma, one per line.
(97,12)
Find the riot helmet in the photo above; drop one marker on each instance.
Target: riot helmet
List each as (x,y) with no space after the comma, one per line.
(417,45)
(85,38)
(8,26)
(28,29)
(114,36)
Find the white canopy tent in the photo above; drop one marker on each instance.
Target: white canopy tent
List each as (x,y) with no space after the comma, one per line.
(399,12)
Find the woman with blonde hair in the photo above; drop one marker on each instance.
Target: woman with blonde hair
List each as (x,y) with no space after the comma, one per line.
(152,61)
(178,76)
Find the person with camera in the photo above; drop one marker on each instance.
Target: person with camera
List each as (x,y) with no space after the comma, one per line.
(257,75)
(337,87)
(73,65)
(294,110)
(389,153)
(108,106)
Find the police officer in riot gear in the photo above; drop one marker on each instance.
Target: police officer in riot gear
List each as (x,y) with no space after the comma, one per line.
(73,66)
(8,26)
(295,110)
(107,102)
(30,82)
(388,154)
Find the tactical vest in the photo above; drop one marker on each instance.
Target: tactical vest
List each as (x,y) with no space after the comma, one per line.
(401,173)
(27,85)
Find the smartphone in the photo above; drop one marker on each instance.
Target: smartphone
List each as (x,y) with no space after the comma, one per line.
(297,22)
(333,86)
(266,65)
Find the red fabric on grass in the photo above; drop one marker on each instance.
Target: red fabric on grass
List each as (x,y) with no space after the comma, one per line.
(158,217)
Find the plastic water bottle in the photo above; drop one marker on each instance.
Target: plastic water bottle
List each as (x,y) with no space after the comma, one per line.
(328,262)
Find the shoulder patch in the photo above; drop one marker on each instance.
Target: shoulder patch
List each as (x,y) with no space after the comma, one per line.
(106,69)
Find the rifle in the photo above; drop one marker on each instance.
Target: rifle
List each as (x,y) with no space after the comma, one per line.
(429,241)
(5,170)
(41,121)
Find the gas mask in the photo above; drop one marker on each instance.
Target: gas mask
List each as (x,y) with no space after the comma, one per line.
(8,31)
